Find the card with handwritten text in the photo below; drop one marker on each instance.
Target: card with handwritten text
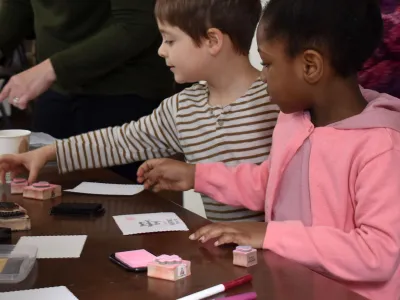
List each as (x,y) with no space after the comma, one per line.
(145,223)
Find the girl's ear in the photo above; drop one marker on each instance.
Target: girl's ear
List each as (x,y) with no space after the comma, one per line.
(313,66)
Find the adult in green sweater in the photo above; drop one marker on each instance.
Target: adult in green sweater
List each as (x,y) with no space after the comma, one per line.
(98,62)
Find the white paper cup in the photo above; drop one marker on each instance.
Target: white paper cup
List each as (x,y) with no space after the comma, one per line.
(14,141)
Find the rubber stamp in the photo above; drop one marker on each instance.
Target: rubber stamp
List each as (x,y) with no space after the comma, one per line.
(244,256)
(42,191)
(14,217)
(169,268)
(18,185)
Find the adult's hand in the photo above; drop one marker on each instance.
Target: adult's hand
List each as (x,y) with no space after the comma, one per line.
(28,85)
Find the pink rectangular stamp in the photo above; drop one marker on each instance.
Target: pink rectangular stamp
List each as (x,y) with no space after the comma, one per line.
(169,267)
(18,185)
(42,191)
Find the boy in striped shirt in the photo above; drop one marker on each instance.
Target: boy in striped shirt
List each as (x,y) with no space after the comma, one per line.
(229,118)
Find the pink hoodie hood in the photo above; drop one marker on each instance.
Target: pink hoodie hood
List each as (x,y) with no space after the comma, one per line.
(383,111)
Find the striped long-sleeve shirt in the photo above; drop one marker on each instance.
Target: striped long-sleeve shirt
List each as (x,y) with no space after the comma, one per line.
(185,123)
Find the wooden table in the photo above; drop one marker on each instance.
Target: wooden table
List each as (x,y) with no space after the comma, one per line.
(93,276)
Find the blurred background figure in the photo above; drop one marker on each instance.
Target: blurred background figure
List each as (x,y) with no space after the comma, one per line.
(382,71)
(97,63)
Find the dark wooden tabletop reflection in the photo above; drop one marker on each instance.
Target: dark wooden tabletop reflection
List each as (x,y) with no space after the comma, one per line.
(94,276)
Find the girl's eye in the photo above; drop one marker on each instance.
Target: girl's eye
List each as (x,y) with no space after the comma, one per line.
(169,42)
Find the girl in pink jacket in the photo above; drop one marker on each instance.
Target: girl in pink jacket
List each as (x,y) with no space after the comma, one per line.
(331,187)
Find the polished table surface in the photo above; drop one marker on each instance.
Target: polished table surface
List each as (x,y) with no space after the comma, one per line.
(94,276)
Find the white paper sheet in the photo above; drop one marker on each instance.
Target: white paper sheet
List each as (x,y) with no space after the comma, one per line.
(59,246)
(53,293)
(95,188)
(144,223)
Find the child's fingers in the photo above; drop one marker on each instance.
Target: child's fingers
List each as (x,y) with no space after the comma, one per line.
(33,175)
(147,175)
(147,183)
(215,232)
(155,175)
(144,167)
(203,232)
(154,180)
(140,179)
(157,188)
(154,186)
(200,232)
(149,165)
(226,238)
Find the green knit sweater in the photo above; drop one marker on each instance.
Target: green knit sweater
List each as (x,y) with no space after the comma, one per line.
(104,47)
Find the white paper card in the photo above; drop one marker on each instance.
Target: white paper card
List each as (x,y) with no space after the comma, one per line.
(144,223)
(59,293)
(95,188)
(60,246)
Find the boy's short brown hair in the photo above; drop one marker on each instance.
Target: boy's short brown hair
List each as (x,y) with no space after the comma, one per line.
(236,18)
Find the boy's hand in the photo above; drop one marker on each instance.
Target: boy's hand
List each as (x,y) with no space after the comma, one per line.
(32,161)
(166,174)
(244,234)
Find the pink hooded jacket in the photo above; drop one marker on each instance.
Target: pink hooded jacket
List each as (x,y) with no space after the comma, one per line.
(331,195)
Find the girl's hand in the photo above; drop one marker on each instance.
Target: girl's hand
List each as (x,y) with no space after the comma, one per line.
(244,234)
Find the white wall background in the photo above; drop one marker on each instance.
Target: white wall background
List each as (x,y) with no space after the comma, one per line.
(254,57)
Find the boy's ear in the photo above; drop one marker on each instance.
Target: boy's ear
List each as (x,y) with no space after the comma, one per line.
(313,66)
(215,40)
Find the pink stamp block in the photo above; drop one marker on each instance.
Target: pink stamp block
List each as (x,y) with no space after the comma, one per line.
(42,191)
(244,256)
(18,185)
(168,267)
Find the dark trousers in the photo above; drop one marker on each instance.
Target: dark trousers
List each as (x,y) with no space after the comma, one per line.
(63,116)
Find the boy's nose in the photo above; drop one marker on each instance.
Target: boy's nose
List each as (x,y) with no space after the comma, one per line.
(161,51)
